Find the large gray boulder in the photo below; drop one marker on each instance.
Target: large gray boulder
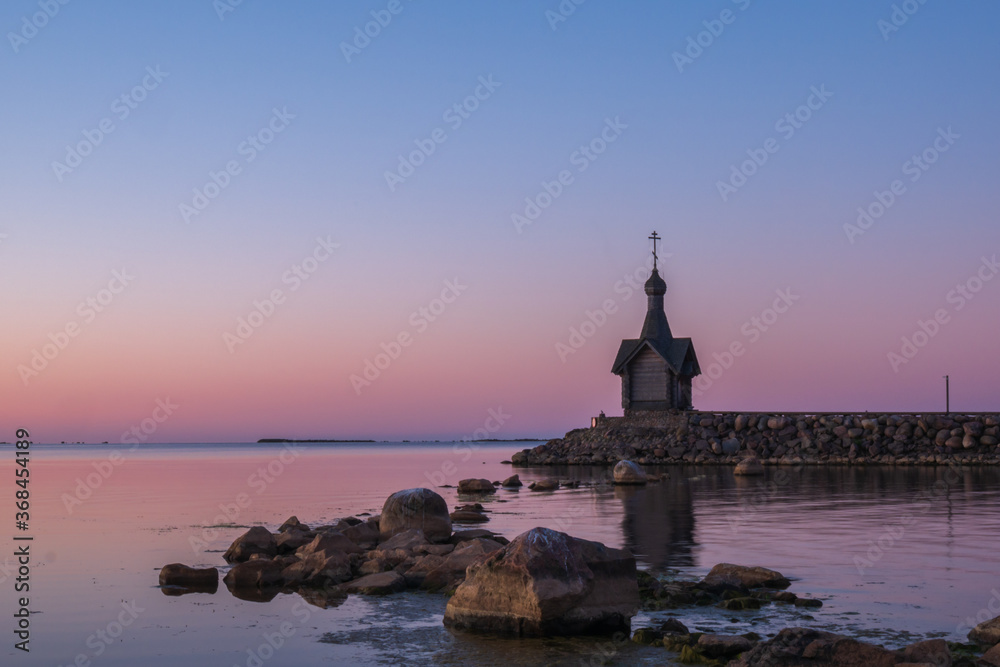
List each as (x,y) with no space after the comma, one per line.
(547,583)
(627,472)
(415,508)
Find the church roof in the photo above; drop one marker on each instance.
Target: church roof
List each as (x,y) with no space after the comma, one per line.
(677,352)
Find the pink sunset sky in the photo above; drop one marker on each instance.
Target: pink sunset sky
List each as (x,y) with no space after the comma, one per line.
(481,186)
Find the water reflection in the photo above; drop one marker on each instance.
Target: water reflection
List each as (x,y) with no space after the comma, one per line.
(658,523)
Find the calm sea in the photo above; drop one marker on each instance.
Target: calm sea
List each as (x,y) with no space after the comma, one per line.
(896,554)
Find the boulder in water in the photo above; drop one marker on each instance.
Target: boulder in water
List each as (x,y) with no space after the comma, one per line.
(415,508)
(627,472)
(547,583)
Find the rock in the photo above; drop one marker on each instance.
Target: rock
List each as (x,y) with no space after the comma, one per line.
(451,571)
(740,604)
(989,659)
(672,626)
(293,522)
(511,482)
(408,541)
(520,458)
(476,486)
(289,540)
(257,540)
(177,574)
(415,508)
(986,633)
(953,443)
(740,423)
(329,544)
(723,646)
(933,651)
(376,584)
(969,441)
(436,549)
(365,535)
(730,447)
(749,466)
(319,568)
(474,533)
(255,574)
(988,441)
(647,636)
(468,516)
(544,485)
(808,602)
(973,428)
(802,646)
(742,576)
(547,583)
(416,573)
(627,472)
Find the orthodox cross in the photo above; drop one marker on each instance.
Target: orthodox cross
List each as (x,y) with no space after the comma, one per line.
(655,237)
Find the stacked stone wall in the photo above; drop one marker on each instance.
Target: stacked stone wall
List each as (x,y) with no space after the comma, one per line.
(676,437)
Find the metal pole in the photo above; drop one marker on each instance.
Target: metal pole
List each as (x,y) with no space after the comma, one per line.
(947,395)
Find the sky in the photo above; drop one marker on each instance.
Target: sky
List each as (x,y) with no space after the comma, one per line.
(222,221)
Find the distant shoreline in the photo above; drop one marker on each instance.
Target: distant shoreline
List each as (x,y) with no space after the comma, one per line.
(280,440)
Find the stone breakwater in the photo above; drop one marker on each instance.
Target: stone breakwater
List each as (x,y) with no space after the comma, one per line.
(677,437)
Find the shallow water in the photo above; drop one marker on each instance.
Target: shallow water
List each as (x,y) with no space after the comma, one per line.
(938,564)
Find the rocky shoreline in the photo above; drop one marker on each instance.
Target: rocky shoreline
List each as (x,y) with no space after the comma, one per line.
(726,438)
(542,583)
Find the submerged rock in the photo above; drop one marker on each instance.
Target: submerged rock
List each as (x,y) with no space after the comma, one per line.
(544,485)
(201,579)
(468,516)
(257,540)
(476,486)
(723,646)
(415,508)
(742,576)
(749,466)
(627,472)
(803,646)
(547,583)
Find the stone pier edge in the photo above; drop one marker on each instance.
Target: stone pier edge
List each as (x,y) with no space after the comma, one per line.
(778,438)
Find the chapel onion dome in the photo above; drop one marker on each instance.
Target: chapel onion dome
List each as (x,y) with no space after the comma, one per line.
(656,286)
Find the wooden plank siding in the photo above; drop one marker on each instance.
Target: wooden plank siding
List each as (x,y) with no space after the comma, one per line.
(649,378)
